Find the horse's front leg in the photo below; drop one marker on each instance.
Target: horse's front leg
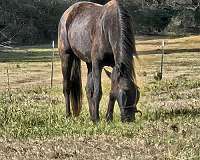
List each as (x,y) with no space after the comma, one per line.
(96,75)
(111,104)
(89,88)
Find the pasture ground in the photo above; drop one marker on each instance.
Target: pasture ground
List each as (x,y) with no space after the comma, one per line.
(33,125)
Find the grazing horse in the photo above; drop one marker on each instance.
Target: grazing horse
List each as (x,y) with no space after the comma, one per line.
(100,35)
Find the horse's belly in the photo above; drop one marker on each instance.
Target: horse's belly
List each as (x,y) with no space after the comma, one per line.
(79,35)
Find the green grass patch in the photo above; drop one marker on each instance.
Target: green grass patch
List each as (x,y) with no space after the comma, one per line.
(39,112)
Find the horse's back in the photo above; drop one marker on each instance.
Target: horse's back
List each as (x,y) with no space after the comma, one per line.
(76,27)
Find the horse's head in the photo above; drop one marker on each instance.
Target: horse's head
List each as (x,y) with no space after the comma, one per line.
(125,92)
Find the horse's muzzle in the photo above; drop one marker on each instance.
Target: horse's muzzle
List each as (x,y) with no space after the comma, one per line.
(128,113)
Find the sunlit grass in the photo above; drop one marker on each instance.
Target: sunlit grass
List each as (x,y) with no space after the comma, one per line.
(40,111)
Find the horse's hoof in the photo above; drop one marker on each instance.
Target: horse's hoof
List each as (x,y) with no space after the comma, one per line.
(69,115)
(95,121)
(109,119)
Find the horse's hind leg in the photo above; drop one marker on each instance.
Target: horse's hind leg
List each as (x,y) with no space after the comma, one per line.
(66,64)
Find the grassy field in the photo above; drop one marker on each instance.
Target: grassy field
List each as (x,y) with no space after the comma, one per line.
(33,124)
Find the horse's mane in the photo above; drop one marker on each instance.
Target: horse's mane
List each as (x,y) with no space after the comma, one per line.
(127,41)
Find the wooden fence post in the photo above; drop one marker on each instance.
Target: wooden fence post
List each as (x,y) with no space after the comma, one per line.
(162,58)
(142,4)
(8,83)
(52,64)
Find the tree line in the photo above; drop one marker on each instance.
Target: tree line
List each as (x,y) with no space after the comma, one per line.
(35,21)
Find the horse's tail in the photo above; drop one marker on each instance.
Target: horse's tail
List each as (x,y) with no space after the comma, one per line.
(76,86)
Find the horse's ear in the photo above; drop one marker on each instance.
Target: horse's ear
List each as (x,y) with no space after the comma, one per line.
(108,73)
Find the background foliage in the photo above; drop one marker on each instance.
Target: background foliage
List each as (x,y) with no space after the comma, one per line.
(35,21)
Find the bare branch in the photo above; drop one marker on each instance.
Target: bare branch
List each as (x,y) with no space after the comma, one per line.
(4,46)
(1,32)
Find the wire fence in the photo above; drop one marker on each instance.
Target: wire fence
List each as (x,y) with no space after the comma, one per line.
(28,67)
(23,68)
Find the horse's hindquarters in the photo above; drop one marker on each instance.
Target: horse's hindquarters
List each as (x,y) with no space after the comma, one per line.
(79,36)
(81,30)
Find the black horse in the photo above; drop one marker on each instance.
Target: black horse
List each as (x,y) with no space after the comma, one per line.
(100,35)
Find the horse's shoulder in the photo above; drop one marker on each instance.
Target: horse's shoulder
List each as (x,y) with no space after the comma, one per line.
(109,15)
(110,9)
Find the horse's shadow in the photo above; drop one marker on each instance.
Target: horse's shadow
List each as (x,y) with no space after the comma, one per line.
(173,113)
